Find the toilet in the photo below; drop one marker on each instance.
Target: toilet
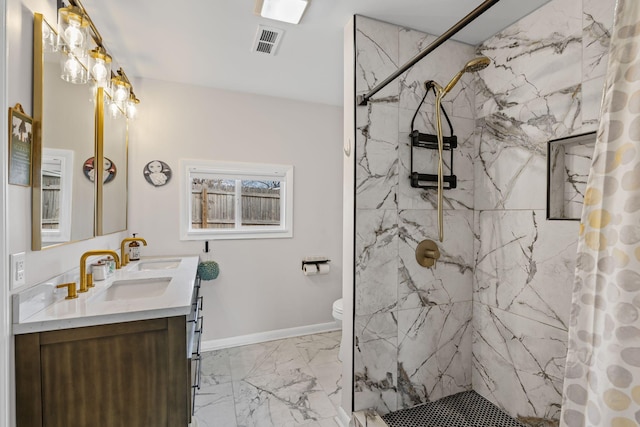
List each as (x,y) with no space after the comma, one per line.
(337,310)
(337,314)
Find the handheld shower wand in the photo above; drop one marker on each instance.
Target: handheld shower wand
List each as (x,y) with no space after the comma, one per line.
(472,66)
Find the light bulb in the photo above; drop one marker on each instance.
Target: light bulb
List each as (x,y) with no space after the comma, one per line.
(121,94)
(73,34)
(132,111)
(99,70)
(72,67)
(114,110)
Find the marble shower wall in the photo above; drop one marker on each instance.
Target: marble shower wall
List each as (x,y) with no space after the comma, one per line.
(412,324)
(545,82)
(493,315)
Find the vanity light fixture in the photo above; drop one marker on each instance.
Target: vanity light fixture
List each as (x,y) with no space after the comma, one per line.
(72,30)
(132,107)
(73,71)
(120,91)
(75,29)
(289,11)
(100,66)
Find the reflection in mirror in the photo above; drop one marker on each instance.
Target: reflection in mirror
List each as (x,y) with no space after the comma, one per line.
(65,113)
(112,202)
(57,194)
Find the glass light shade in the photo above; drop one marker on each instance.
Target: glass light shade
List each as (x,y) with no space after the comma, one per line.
(132,108)
(100,66)
(120,91)
(114,110)
(72,30)
(73,71)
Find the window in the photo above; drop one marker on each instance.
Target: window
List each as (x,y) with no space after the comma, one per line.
(57,188)
(222,200)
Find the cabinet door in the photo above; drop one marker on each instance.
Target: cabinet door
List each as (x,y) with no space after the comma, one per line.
(85,384)
(130,374)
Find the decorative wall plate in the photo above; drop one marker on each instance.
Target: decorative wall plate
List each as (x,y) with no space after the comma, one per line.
(110,170)
(157,173)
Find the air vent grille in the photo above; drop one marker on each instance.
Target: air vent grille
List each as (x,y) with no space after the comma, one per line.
(267,40)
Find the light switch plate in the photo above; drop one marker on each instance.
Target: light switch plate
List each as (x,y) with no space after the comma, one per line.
(17,262)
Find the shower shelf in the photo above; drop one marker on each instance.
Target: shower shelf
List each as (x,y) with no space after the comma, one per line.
(429,141)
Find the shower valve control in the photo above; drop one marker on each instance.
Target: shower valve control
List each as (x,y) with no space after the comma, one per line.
(427,253)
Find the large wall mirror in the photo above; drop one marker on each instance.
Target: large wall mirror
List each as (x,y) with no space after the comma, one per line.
(63,200)
(72,199)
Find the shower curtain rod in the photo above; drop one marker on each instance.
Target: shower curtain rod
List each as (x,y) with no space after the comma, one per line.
(363,99)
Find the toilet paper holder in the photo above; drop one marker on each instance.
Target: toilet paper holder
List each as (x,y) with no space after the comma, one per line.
(317,261)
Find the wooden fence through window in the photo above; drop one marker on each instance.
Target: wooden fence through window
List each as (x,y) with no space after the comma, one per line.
(260,207)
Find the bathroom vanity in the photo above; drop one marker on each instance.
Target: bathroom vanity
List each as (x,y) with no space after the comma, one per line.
(124,353)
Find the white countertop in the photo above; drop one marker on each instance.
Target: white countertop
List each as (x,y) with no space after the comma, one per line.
(43,308)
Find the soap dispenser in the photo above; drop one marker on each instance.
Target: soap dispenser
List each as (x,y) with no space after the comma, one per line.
(134,250)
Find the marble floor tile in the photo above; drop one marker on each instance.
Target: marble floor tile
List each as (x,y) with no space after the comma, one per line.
(285,383)
(293,398)
(265,358)
(216,368)
(214,406)
(319,349)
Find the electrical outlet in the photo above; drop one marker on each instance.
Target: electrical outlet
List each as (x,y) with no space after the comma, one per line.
(17,269)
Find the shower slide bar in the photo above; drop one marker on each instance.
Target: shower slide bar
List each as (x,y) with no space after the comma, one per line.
(363,99)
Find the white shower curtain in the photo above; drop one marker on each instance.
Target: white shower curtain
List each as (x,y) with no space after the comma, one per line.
(602,379)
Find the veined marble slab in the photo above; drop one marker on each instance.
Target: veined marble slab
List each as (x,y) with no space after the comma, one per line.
(518,364)
(451,280)
(434,352)
(526,265)
(376,261)
(375,362)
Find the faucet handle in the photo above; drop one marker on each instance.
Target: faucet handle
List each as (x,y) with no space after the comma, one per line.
(90,283)
(71,290)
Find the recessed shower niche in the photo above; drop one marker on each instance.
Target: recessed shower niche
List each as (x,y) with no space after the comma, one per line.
(568,163)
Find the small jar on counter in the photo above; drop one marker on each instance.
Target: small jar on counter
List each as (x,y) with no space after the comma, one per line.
(99,270)
(110,266)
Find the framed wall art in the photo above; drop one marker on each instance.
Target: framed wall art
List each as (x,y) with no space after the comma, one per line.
(157,173)
(20,146)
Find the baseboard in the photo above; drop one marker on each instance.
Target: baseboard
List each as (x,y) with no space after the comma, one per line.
(278,334)
(343,419)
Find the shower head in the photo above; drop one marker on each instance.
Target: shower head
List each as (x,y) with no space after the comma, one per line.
(476,64)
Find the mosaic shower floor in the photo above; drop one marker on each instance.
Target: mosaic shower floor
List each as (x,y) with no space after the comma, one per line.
(467,409)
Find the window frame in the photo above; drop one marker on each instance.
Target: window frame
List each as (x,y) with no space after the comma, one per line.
(62,234)
(236,170)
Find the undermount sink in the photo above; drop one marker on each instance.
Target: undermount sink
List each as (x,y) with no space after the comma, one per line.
(159,264)
(135,289)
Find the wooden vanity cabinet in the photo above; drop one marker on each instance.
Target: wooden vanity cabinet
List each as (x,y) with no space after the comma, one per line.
(133,374)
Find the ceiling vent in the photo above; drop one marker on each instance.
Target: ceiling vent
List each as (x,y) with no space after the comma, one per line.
(267,40)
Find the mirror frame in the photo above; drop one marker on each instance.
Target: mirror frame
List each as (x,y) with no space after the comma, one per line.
(38,113)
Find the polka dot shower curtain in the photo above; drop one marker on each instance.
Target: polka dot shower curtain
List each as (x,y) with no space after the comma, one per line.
(602,378)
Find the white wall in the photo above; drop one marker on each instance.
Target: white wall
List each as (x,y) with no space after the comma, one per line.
(261,286)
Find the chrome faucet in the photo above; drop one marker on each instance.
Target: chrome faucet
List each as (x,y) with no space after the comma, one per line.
(125,255)
(86,280)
